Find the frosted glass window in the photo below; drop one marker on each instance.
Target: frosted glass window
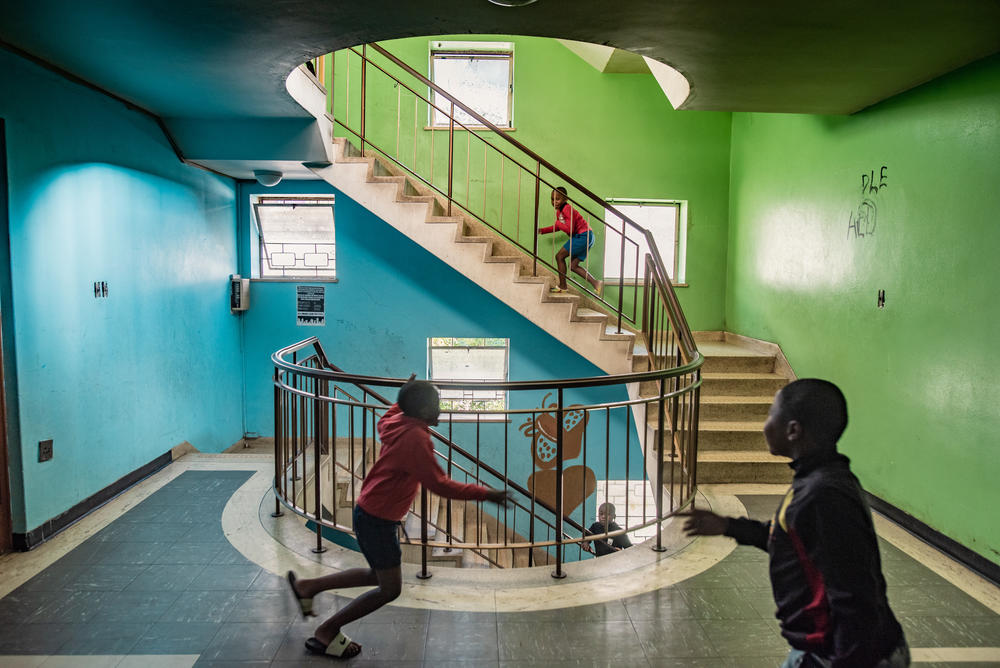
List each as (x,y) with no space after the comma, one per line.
(482,80)
(296,237)
(471,359)
(661,219)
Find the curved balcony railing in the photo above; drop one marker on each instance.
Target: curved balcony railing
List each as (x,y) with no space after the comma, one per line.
(557,450)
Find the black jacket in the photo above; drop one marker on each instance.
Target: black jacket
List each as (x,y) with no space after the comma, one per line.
(826,572)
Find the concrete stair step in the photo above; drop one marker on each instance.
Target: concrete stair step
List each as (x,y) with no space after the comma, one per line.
(742,467)
(735,407)
(742,384)
(738,363)
(720,435)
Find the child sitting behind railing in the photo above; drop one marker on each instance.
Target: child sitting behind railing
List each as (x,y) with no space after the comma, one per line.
(406,461)
(605,524)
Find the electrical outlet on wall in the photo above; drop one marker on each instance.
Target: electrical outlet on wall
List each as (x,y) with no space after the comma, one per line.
(45,450)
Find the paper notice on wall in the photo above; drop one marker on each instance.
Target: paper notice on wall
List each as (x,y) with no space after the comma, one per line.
(310,305)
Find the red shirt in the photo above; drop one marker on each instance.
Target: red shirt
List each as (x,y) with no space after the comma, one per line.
(407,461)
(568,220)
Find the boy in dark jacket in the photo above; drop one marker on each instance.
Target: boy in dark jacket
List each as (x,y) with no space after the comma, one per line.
(405,462)
(826,573)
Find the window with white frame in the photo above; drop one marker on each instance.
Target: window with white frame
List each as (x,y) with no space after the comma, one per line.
(664,219)
(296,237)
(480,74)
(469,359)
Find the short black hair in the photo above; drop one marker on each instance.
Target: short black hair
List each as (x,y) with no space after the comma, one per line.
(416,397)
(818,405)
(562,189)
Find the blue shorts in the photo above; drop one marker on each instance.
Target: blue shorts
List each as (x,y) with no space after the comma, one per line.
(378,540)
(578,244)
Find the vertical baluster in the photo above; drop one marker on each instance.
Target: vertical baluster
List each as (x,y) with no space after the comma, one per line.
(318,434)
(364,70)
(534,248)
(660,415)
(451,153)
(278,461)
(424,574)
(558,573)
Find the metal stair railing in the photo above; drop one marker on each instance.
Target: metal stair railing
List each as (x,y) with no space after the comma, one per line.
(491,205)
(312,417)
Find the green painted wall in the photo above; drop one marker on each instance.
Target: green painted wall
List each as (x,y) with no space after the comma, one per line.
(921,374)
(614,133)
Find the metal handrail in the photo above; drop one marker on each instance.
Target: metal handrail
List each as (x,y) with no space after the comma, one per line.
(306,416)
(674,311)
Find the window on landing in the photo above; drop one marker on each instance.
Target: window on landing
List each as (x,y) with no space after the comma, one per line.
(480,74)
(664,219)
(469,359)
(296,237)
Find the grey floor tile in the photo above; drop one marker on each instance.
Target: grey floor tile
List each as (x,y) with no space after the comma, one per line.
(462,617)
(390,642)
(235,577)
(742,637)
(71,607)
(668,603)
(105,577)
(267,581)
(716,577)
(556,641)
(165,577)
(929,631)
(202,606)
(682,638)
(762,600)
(152,532)
(189,553)
(461,641)
(34,639)
(87,552)
(206,663)
(397,614)
(143,512)
(246,642)
(576,663)
(101,638)
(719,604)
(468,663)
(142,554)
(55,577)
(177,638)
(207,532)
(22,604)
(265,606)
(135,606)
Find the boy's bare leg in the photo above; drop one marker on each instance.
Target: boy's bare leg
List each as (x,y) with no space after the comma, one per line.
(561,264)
(390,584)
(583,273)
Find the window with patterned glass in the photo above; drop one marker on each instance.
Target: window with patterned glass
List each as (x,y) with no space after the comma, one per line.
(469,359)
(296,237)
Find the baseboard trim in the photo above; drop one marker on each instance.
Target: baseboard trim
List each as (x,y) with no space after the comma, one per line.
(960,553)
(32,539)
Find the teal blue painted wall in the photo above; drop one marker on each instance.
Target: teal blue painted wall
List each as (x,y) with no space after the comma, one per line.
(96,194)
(391,296)
(921,374)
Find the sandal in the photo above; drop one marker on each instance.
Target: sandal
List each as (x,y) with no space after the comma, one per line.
(556,289)
(340,647)
(305,604)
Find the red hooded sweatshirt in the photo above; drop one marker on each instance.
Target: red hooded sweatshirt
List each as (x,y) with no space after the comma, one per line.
(407,461)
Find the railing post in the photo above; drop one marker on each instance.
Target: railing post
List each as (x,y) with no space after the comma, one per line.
(424,574)
(558,573)
(451,152)
(317,431)
(659,469)
(279,465)
(534,234)
(621,275)
(364,70)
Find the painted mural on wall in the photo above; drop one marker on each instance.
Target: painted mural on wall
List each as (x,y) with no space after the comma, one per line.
(579,481)
(864,218)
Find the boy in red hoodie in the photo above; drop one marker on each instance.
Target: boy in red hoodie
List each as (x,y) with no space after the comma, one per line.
(406,461)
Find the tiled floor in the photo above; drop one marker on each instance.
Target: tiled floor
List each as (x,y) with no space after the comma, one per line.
(161,586)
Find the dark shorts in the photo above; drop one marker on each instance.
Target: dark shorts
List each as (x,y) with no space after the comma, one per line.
(578,244)
(378,539)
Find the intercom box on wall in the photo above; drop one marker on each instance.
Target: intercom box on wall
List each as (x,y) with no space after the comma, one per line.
(239,293)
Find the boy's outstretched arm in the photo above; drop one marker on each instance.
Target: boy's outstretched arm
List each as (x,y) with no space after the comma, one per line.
(744,531)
